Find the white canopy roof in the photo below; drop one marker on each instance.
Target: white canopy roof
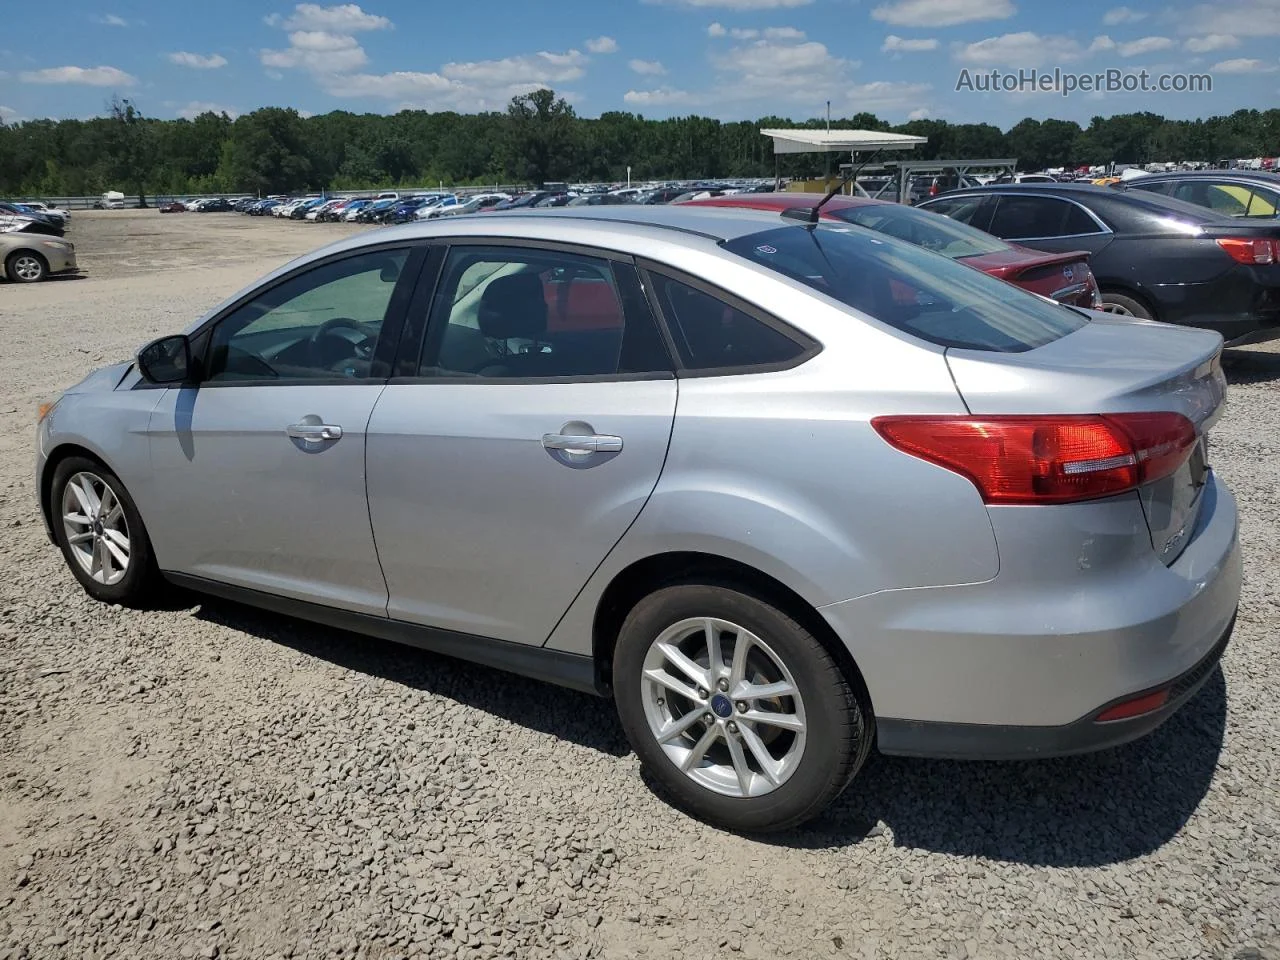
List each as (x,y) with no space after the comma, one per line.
(839,141)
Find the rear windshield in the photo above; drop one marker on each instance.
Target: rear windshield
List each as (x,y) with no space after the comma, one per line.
(929,230)
(909,288)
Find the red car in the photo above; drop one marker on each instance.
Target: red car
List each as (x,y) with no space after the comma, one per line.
(1064,277)
(174,207)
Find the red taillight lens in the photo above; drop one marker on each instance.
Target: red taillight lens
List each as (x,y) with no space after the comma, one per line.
(1049,459)
(1134,708)
(1251,251)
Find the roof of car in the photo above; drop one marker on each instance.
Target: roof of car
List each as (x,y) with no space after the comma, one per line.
(1264,176)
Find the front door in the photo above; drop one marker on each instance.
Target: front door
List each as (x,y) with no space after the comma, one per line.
(260,469)
(529,434)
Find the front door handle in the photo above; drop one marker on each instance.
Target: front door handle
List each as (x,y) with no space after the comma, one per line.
(314,432)
(582,444)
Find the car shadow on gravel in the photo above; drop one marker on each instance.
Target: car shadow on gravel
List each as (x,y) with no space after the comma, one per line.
(1087,810)
(567,714)
(1250,366)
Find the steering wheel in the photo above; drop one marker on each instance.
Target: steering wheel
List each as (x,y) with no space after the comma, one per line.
(316,352)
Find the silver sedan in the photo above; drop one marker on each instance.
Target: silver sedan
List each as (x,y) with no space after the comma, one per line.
(784,491)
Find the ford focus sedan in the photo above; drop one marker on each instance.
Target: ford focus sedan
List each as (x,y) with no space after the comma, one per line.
(785,492)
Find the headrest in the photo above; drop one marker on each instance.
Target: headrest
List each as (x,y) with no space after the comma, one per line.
(513,307)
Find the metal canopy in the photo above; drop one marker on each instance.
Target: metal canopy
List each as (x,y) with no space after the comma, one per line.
(839,141)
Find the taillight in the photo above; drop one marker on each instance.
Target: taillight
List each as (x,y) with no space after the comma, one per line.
(1047,459)
(1251,251)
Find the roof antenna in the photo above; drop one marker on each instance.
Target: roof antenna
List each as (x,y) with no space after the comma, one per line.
(812,214)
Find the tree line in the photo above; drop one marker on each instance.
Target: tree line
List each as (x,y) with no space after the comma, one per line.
(538,138)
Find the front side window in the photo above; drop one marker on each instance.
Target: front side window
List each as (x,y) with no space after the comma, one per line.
(925,229)
(910,289)
(321,324)
(512,312)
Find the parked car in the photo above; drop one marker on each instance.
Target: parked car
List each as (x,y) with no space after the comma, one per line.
(437,208)
(473,204)
(302,209)
(15,219)
(520,202)
(214,205)
(26,257)
(663,195)
(264,207)
(1064,277)
(1253,195)
(602,200)
(374,212)
(870,520)
(1154,257)
(174,206)
(352,209)
(43,209)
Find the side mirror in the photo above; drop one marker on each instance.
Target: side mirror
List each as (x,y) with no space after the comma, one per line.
(167,360)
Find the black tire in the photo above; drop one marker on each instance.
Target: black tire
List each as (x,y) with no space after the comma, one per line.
(23,257)
(1126,304)
(839,721)
(141,578)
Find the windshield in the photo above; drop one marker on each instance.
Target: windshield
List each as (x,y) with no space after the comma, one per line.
(909,288)
(929,230)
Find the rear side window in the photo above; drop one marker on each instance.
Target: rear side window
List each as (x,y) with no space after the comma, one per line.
(1029,218)
(909,288)
(710,334)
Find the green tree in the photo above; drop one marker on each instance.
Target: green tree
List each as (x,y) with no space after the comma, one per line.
(540,142)
(269,151)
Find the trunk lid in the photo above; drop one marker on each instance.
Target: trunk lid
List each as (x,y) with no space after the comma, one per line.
(1114,365)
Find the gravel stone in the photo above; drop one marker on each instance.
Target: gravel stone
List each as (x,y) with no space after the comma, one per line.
(204,780)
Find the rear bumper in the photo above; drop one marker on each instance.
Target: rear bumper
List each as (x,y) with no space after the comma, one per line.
(975,741)
(1243,304)
(1020,665)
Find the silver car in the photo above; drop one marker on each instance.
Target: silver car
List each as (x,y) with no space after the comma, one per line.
(783,491)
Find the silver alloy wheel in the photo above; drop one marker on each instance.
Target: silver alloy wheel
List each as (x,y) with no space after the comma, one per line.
(27,267)
(723,706)
(94,522)
(1117,309)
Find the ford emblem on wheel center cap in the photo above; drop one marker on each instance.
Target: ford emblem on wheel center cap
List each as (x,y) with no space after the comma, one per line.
(721,706)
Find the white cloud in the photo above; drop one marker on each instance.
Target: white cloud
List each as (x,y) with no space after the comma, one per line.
(1120,15)
(1138,48)
(1211,42)
(530,71)
(942,13)
(918,114)
(339,18)
(885,96)
(1024,49)
(1257,18)
(662,97)
(317,51)
(894,44)
(769,33)
(111,20)
(196,107)
(197,62)
(716,30)
(649,68)
(1244,65)
(602,45)
(90,76)
(401,85)
(734,4)
(1102,44)
(8,114)
(768,68)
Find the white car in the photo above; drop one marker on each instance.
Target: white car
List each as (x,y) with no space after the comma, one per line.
(437,207)
(314,212)
(41,207)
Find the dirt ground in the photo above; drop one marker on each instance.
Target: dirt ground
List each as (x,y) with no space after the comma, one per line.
(204,780)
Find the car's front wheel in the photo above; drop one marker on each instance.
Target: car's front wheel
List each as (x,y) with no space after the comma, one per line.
(736,709)
(101,534)
(24,266)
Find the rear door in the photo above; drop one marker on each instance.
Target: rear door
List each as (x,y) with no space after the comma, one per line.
(524,431)
(1047,223)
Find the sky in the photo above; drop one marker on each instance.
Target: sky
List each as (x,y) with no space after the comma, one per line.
(731,59)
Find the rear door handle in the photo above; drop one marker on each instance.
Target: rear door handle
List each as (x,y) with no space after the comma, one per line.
(591,443)
(314,432)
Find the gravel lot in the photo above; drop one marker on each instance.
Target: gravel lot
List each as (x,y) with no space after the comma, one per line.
(210,781)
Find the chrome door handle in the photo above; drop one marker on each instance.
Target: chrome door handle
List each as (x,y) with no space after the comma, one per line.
(593,443)
(314,432)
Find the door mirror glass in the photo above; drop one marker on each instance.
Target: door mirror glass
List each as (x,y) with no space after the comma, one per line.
(167,360)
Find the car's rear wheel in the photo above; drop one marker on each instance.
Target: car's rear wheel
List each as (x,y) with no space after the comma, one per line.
(101,533)
(1124,306)
(738,711)
(26,266)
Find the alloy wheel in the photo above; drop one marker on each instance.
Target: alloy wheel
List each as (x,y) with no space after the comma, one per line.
(723,706)
(1117,309)
(96,529)
(27,268)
